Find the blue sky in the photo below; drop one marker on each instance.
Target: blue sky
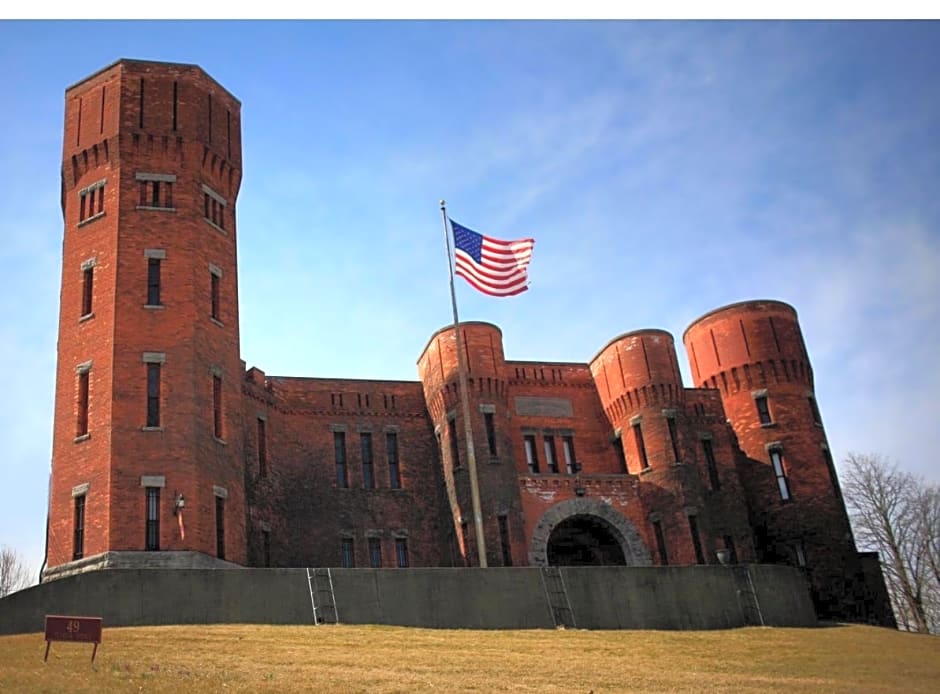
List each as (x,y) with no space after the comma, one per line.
(664,169)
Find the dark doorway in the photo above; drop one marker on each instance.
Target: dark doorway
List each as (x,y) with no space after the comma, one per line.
(584,541)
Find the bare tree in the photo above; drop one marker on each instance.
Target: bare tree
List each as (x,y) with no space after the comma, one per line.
(898,515)
(14,574)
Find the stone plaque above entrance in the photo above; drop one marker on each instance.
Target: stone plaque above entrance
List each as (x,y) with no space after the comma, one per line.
(543,407)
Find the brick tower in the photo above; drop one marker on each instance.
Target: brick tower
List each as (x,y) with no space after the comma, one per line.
(147,451)
(754,355)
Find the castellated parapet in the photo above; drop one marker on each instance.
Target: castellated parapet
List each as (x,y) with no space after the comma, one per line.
(168,451)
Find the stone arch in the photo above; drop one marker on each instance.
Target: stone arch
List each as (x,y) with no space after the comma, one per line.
(634,551)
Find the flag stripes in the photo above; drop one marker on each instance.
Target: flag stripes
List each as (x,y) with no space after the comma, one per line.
(492,266)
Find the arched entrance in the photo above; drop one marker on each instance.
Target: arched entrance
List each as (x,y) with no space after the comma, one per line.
(584,541)
(586,532)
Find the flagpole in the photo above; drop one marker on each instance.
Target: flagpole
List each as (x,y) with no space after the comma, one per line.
(465,406)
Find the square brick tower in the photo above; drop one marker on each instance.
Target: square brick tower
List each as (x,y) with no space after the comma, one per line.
(147,451)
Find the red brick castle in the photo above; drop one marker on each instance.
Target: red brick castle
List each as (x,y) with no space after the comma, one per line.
(168,452)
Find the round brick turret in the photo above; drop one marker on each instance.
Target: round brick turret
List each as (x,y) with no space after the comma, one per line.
(753,353)
(638,379)
(482,345)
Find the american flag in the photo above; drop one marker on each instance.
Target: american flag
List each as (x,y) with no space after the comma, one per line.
(494,267)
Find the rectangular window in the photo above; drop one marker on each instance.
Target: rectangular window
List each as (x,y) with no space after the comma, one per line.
(365,447)
(617,443)
(490,432)
(81,428)
(833,478)
(220,527)
(153,519)
(153,395)
(763,410)
(401,552)
(674,438)
(531,457)
(214,298)
(571,462)
(799,550)
(91,201)
(504,539)
(217,406)
(339,455)
(375,552)
(78,528)
(551,459)
(696,540)
(710,463)
(732,552)
(640,446)
(454,446)
(660,542)
(349,553)
(262,448)
(814,409)
(153,282)
(88,285)
(155,192)
(391,451)
(214,207)
(776,459)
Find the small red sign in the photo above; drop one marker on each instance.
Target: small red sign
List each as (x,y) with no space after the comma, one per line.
(67,628)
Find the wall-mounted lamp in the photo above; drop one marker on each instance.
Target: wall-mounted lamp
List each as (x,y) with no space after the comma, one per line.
(179,503)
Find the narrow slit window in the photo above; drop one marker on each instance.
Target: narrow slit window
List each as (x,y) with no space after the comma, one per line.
(262,448)
(710,464)
(214,295)
(401,552)
(88,287)
(551,459)
(640,446)
(153,281)
(763,410)
(660,542)
(217,406)
(339,456)
(571,461)
(348,548)
(78,528)
(152,540)
(454,445)
(674,438)
(81,428)
(375,552)
(531,456)
(220,527)
(617,444)
(153,394)
(776,459)
(391,450)
(368,475)
(490,432)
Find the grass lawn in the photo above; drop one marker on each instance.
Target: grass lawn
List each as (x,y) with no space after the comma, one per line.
(235,658)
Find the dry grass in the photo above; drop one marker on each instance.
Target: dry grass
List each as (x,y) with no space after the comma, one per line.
(235,658)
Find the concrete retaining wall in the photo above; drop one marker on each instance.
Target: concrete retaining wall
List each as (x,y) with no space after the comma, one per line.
(693,597)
